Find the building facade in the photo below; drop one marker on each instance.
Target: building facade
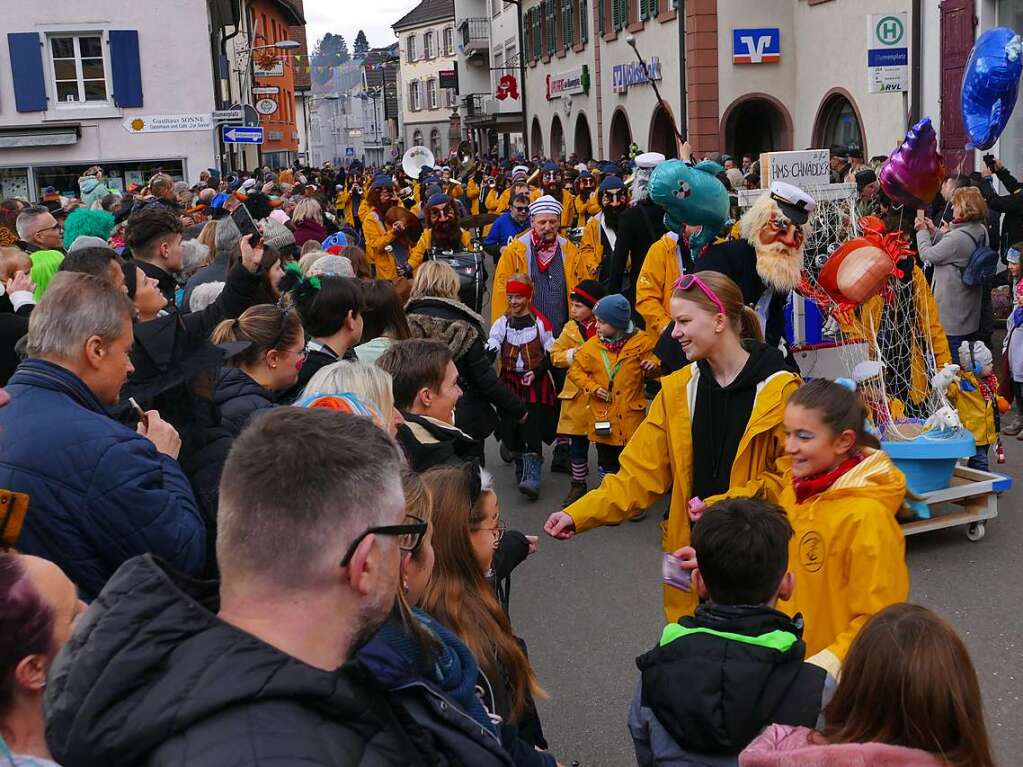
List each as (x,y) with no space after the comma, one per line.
(426,42)
(90,83)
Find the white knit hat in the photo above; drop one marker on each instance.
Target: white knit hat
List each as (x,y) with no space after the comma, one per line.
(981,355)
(545,204)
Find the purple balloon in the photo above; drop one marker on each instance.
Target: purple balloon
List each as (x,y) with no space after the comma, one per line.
(913,173)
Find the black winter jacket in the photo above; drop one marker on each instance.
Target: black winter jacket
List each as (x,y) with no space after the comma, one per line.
(705,693)
(639,227)
(152,677)
(427,442)
(461,329)
(1010,204)
(240,398)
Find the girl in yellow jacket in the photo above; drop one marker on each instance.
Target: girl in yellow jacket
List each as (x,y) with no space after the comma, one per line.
(729,401)
(611,369)
(848,552)
(574,421)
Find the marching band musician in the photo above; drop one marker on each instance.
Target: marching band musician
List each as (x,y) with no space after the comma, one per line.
(587,203)
(442,231)
(552,185)
(378,236)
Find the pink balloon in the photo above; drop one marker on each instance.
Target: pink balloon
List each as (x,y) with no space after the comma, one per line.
(913,173)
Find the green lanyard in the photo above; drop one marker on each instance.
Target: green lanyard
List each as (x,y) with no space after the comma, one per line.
(611,371)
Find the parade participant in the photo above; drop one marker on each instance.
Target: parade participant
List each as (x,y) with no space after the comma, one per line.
(730,402)
(601,232)
(309,557)
(574,420)
(100,492)
(498,194)
(40,608)
(720,675)
(552,185)
(426,391)
(331,311)
(611,369)
(269,365)
(842,496)
(585,203)
(767,263)
(508,226)
(975,396)
(909,697)
(476,189)
(378,236)
(523,338)
(839,163)
(442,231)
(667,260)
(434,311)
(468,531)
(867,187)
(639,227)
(551,261)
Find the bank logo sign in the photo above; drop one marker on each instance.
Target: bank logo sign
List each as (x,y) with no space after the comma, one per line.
(623,76)
(756,46)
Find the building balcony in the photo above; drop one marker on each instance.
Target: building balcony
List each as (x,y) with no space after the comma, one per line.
(475,36)
(478,107)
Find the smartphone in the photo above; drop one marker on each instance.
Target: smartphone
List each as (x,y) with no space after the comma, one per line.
(13,508)
(246,225)
(673,574)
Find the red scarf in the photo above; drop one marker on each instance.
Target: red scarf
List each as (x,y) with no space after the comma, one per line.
(988,387)
(614,346)
(588,327)
(807,487)
(544,251)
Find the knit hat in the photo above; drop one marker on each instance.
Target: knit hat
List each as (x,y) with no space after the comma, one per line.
(545,204)
(332,266)
(588,293)
(438,199)
(87,241)
(276,235)
(549,167)
(981,356)
(611,182)
(615,311)
(381,180)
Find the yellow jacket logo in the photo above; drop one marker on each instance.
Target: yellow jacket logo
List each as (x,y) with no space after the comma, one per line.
(812,551)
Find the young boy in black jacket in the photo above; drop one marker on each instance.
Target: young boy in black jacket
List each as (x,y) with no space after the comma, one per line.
(721,675)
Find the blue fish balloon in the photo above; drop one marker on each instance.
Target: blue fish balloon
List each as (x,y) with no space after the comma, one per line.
(691,195)
(990,84)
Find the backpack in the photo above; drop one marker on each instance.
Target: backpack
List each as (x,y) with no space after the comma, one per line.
(982,264)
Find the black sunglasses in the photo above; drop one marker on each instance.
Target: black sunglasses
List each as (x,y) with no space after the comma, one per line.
(409,535)
(521,210)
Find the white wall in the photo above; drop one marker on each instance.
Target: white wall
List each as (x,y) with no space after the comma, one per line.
(422,69)
(176,79)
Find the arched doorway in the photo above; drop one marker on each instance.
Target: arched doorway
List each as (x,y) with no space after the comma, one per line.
(754,124)
(838,122)
(557,140)
(662,135)
(583,145)
(621,135)
(536,139)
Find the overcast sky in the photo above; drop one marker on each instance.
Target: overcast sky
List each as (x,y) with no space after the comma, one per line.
(347,17)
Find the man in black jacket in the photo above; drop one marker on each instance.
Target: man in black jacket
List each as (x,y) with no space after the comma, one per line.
(1011,204)
(639,227)
(721,675)
(169,671)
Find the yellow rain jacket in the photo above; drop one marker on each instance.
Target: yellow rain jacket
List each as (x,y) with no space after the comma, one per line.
(583,210)
(377,239)
(591,247)
(976,413)
(472,192)
(848,555)
(868,321)
(342,202)
(423,246)
(575,418)
(627,407)
(661,267)
(514,261)
(659,460)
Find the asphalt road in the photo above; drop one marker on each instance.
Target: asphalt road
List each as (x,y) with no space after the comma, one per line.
(588,606)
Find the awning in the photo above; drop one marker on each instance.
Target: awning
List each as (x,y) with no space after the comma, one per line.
(47,135)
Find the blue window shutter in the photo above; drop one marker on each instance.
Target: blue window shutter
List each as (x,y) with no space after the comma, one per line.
(27,71)
(125,67)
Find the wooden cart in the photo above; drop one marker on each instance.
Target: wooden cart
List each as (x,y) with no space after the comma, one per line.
(970,500)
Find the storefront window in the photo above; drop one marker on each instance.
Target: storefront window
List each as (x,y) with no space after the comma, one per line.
(1010,145)
(839,124)
(118,175)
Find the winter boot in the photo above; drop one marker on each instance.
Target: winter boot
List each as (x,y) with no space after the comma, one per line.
(1014,423)
(559,461)
(532,466)
(507,454)
(577,491)
(518,467)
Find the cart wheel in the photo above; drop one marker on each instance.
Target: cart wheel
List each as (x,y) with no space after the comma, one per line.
(976,531)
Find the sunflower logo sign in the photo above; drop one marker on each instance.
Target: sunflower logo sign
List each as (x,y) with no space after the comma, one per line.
(169,123)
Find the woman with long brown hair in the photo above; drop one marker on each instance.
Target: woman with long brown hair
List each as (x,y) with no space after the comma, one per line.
(729,400)
(908,697)
(467,531)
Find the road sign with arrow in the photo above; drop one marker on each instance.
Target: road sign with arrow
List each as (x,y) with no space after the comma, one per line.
(235,134)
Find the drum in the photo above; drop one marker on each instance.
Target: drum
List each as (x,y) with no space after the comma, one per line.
(472,275)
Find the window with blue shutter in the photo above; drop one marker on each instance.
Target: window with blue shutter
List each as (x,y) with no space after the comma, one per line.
(584,22)
(125,68)
(27,71)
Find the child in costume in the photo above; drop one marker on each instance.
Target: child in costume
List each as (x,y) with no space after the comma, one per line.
(574,419)
(523,338)
(976,398)
(611,369)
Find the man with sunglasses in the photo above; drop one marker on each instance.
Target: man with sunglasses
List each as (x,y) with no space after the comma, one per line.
(38,229)
(601,232)
(309,559)
(508,226)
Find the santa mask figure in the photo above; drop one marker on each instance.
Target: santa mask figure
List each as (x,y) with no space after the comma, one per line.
(776,228)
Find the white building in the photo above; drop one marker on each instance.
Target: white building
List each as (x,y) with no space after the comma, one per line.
(103,82)
(426,39)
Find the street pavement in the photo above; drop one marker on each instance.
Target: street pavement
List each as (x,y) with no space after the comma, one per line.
(588,606)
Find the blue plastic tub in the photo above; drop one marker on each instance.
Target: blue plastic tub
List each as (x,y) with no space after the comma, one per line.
(929,460)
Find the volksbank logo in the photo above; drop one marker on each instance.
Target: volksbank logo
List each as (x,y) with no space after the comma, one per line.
(756,46)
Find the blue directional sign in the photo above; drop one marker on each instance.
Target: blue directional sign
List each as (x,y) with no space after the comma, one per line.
(236,134)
